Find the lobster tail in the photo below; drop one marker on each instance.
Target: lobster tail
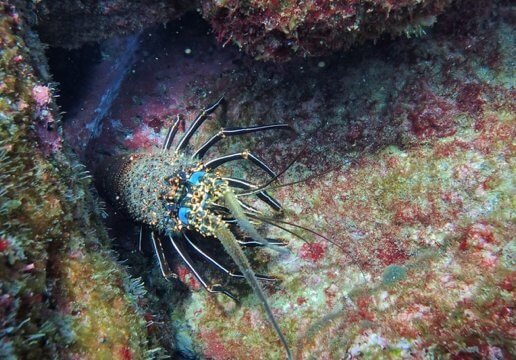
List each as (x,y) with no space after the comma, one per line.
(110,177)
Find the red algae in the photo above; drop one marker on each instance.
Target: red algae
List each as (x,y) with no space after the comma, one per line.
(429,114)
(187,278)
(477,236)
(407,213)
(470,99)
(4,245)
(313,252)
(218,349)
(125,353)
(390,252)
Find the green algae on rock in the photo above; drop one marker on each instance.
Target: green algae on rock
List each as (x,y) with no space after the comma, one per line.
(62,294)
(393,274)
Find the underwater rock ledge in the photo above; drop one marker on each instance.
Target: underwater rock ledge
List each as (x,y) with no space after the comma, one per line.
(269,30)
(71,23)
(279,30)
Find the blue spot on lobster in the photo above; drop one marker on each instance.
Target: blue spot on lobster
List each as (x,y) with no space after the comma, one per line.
(196,177)
(183,215)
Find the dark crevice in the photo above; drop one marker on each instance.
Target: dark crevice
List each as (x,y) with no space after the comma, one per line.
(71,70)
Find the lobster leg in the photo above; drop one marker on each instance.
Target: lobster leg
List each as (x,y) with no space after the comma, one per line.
(144,242)
(216,288)
(196,123)
(262,195)
(221,267)
(172,131)
(163,263)
(236,131)
(140,239)
(237,156)
(253,243)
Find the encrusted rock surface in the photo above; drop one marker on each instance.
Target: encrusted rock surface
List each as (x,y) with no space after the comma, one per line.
(418,134)
(62,293)
(278,30)
(419,131)
(266,29)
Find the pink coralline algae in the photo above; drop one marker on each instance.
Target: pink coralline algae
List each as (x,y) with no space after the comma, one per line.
(50,138)
(429,114)
(277,30)
(41,95)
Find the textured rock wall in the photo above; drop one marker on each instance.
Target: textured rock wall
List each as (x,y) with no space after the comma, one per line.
(421,209)
(71,23)
(61,289)
(420,131)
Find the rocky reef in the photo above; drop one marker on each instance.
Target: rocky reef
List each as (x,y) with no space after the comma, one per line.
(404,162)
(61,288)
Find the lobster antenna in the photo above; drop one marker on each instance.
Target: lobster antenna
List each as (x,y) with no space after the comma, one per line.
(302,228)
(270,222)
(266,185)
(296,158)
(274,222)
(311,177)
(232,247)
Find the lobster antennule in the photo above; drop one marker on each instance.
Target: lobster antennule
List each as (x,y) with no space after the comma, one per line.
(236,210)
(232,247)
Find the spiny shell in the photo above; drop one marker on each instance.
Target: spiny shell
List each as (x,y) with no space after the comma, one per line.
(136,185)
